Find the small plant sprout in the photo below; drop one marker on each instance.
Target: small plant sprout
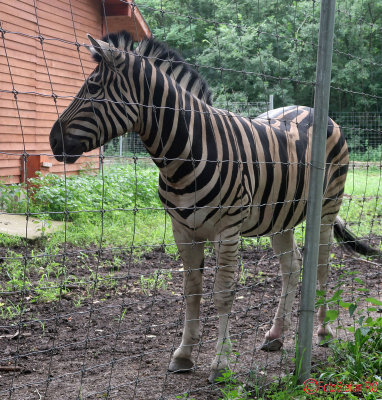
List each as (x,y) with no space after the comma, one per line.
(159,280)
(244,273)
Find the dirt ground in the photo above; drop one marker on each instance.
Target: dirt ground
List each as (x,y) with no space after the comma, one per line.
(117,343)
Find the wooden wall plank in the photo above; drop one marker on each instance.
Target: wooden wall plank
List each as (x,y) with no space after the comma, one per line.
(25,121)
(34,113)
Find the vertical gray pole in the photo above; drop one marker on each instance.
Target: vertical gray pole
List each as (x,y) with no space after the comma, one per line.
(316,180)
(101,149)
(270,102)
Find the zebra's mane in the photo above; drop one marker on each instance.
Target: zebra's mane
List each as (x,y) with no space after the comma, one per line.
(166,59)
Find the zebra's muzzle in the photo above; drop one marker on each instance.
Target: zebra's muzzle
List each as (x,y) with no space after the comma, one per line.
(64,146)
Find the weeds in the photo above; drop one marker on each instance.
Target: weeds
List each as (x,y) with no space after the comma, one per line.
(351,363)
(159,280)
(244,273)
(10,310)
(184,396)
(361,356)
(118,188)
(124,206)
(231,388)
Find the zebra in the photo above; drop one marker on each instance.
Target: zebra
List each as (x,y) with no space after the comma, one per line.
(221,175)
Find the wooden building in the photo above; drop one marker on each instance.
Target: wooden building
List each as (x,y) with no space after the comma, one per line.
(43,63)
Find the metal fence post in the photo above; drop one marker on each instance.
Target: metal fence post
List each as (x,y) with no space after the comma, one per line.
(120,146)
(313,218)
(270,102)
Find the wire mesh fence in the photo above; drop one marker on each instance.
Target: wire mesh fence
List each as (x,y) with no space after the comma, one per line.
(363,133)
(92,299)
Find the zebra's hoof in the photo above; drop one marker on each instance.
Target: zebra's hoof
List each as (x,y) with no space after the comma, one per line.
(180,365)
(271,345)
(216,374)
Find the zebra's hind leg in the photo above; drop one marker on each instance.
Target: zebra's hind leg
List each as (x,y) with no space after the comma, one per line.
(192,255)
(324,332)
(285,248)
(226,255)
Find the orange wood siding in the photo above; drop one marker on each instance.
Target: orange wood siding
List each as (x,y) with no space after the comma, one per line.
(36,69)
(40,62)
(120,15)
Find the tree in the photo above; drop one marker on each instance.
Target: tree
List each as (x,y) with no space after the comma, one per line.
(249,49)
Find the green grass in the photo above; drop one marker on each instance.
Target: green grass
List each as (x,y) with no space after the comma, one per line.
(139,230)
(362,204)
(372,154)
(121,209)
(159,280)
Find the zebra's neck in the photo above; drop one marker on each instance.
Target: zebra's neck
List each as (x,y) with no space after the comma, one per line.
(166,119)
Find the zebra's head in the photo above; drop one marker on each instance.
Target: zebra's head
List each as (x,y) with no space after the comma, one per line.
(103,108)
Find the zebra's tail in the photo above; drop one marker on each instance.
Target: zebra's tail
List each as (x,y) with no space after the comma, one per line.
(350,241)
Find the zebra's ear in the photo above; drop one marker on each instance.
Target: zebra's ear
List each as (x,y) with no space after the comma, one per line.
(105,50)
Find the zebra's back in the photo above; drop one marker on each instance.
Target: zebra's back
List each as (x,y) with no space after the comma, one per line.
(283,141)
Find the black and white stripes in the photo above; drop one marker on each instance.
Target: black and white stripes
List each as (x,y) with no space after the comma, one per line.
(221,175)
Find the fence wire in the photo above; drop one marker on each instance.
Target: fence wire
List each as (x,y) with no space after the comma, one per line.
(91,292)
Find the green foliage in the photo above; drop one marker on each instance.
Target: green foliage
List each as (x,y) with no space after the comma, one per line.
(184,396)
(361,207)
(41,277)
(13,198)
(231,388)
(9,310)
(9,241)
(159,280)
(361,356)
(119,187)
(269,47)
(354,361)
(14,273)
(18,272)
(358,359)
(372,154)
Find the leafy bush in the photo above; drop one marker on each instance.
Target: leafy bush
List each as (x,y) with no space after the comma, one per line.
(13,198)
(119,187)
(372,154)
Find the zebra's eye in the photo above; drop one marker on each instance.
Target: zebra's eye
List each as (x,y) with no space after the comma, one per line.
(93,88)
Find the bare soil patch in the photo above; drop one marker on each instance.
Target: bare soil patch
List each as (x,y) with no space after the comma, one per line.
(117,341)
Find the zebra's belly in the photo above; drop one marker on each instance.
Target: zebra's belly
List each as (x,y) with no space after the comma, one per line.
(251,216)
(266,219)
(248,220)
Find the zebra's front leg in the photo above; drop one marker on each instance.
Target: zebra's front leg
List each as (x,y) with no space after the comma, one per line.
(192,256)
(226,254)
(284,246)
